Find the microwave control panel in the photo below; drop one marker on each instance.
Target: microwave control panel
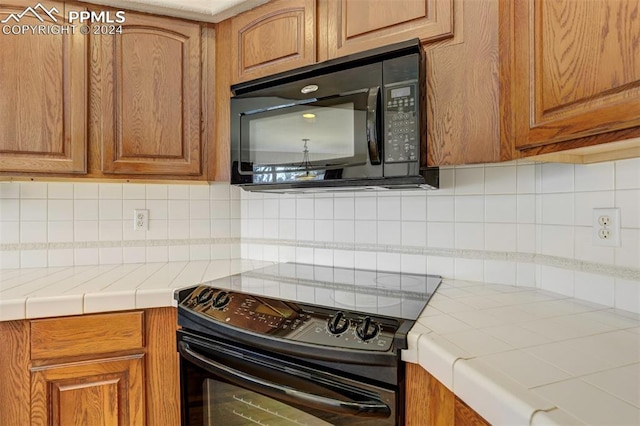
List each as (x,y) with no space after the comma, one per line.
(402,141)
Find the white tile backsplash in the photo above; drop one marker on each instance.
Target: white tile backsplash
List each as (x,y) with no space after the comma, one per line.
(414,207)
(33,210)
(628,201)
(33,190)
(500,180)
(557,177)
(469,181)
(469,208)
(595,177)
(520,209)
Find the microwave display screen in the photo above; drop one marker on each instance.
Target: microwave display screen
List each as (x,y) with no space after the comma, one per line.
(305,134)
(401,92)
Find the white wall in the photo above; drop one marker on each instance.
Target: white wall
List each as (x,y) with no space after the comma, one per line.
(522,223)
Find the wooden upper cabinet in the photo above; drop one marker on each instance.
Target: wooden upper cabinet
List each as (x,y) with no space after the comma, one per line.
(43,93)
(358,25)
(272,38)
(146,97)
(576,69)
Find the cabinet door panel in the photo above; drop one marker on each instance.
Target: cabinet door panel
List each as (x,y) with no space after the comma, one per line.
(146,97)
(43,96)
(577,65)
(272,38)
(104,392)
(357,25)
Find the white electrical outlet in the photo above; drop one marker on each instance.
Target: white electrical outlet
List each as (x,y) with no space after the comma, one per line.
(140,220)
(606,227)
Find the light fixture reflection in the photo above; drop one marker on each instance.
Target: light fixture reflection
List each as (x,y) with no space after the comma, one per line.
(308,115)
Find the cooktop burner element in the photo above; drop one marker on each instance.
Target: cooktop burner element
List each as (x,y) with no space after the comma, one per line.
(307,306)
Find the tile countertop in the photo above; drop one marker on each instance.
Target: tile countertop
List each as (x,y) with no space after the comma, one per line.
(522,356)
(75,290)
(516,355)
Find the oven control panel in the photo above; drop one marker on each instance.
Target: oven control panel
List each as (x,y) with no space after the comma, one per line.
(292,321)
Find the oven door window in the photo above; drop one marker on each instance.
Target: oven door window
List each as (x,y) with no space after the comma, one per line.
(303,140)
(222,389)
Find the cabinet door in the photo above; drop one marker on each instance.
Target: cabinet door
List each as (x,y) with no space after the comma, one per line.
(576,69)
(146,97)
(357,25)
(275,37)
(105,392)
(43,90)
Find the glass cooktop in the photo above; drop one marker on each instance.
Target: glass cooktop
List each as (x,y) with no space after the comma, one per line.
(398,295)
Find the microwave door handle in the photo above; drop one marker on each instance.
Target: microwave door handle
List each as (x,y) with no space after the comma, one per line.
(372,125)
(370,408)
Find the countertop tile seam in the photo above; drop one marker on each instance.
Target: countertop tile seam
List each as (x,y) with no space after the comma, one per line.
(113,276)
(119,277)
(37,274)
(142,273)
(191,270)
(109,268)
(175,273)
(45,281)
(637,406)
(540,410)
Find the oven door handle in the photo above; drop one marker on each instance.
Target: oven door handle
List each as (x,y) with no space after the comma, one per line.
(373,114)
(371,408)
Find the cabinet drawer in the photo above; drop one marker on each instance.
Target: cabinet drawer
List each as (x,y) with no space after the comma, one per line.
(86,335)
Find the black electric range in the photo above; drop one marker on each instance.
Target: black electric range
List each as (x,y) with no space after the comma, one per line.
(337,323)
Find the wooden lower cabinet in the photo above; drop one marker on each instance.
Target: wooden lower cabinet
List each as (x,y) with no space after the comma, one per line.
(100,392)
(120,369)
(429,402)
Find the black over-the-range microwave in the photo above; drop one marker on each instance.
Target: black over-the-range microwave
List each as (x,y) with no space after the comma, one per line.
(357,122)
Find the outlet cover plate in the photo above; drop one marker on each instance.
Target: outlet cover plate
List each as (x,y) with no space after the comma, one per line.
(613,227)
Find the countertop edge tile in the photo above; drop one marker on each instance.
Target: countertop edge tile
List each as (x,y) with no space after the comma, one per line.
(495,396)
(13,309)
(155,298)
(122,300)
(54,306)
(554,417)
(438,356)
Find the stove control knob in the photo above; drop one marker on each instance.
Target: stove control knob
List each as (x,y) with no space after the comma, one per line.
(204,296)
(338,323)
(221,300)
(367,329)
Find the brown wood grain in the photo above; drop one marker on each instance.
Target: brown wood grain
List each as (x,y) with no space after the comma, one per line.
(358,25)
(103,391)
(427,401)
(505,52)
(162,368)
(14,373)
(272,38)
(576,69)
(86,334)
(43,96)
(463,91)
(219,146)
(146,99)
(466,416)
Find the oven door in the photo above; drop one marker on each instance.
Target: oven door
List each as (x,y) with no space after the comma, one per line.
(225,385)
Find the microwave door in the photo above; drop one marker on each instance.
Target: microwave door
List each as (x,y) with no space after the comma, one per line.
(335,137)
